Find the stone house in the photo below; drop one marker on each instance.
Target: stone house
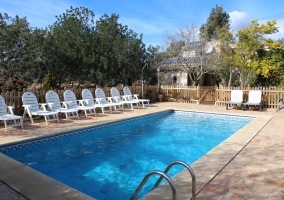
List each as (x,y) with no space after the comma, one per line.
(173,72)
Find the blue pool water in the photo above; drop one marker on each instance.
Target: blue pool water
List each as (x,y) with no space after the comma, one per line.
(110,161)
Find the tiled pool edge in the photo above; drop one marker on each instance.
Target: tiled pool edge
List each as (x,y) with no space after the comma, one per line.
(208,166)
(33,184)
(66,191)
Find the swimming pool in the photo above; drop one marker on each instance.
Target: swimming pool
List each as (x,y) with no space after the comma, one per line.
(104,152)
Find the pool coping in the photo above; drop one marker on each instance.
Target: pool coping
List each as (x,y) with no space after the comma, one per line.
(40,186)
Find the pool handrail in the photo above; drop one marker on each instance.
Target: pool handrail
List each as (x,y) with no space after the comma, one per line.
(189,169)
(162,174)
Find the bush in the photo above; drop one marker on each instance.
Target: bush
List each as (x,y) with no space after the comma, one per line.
(49,82)
(13,84)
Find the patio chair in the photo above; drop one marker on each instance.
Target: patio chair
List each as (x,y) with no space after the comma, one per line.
(32,107)
(54,104)
(236,98)
(7,114)
(122,99)
(102,100)
(281,102)
(130,96)
(72,102)
(254,99)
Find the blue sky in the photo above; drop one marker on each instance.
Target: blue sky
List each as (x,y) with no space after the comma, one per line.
(152,18)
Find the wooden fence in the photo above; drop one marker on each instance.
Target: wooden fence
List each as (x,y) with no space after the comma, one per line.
(210,95)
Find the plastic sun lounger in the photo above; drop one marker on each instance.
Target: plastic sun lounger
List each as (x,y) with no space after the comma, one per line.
(90,101)
(254,99)
(7,114)
(122,99)
(130,96)
(101,99)
(32,107)
(54,104)
(71,101)
(236,98)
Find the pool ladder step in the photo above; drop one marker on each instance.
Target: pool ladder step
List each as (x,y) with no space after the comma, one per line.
(171,183)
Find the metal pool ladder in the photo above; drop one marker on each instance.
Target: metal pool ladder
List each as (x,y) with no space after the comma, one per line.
(164,175)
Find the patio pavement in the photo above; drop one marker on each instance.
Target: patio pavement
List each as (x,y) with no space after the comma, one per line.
(256,172)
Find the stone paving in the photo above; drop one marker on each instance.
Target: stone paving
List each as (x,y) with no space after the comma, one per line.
(256,172)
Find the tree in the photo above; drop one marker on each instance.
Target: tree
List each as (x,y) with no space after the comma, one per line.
(14,33)
(120,52)
(217,19)
(226,71)
(248,51)
(70,45)
(186,50)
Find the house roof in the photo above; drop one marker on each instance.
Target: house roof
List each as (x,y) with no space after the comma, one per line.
(193,46)
(178,63)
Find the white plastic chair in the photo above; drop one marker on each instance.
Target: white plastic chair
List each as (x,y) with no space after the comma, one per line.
(254,99)
(236,98)
(71,101)
(122,99)
(90,101)
(101,99)
(54,104)
(32,107)
(130,96)
(7,114)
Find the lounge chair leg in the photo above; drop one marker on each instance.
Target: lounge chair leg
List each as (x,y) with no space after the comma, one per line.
(6,127)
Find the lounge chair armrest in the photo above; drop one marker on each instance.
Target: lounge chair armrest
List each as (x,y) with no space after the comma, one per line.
(81,102)
(11,109)
(115,99)
(109,99)
(135,96)
(26,106)
(98,100)
(43,106)
(278,99)
(125,97)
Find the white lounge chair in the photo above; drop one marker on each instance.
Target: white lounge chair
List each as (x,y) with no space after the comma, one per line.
(130,96)
(32,107)
(236,98)
(101,99)
(7,114)
(90,101)
(254,99)
(71,101)
(122,99)
(54,104)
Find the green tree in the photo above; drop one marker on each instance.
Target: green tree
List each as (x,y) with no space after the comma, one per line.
(70,45)
(49,82)
(14,33)
(217,19)
(226,71)
(119,50)
(248,51)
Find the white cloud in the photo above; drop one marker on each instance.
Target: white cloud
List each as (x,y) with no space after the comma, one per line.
(239,20)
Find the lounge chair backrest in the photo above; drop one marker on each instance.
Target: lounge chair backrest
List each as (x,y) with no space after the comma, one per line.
(114,92)
(254,96)
(70,97)
(29,98)
(127,91)
(52,97)
(101,94)
(87,94)
(236,95)
(3,106)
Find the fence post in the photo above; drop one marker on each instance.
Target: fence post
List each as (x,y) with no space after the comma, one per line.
(198,92)
(216,94)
